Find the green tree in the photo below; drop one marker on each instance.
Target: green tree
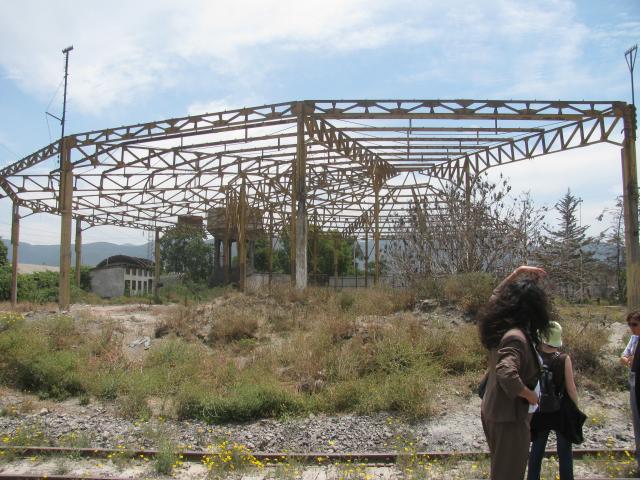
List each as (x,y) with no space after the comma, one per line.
(322,242)
(567,252)
(3,254)
(183,250)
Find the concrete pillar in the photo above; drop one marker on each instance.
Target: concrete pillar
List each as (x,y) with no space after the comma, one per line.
(251,257)
(630,201)
(270,248)
(293,229)
(78,248)
(376,233)
(216,254)
(158,264)
(314,252)
(66,210)
(15,241)
(301,204)
(242,238)
(336,241)
(226,260)
(366,256)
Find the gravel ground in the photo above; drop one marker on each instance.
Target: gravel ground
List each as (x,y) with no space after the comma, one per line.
(456,428)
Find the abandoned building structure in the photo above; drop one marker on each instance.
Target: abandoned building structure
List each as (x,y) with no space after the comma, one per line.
(122,275)
(302,169)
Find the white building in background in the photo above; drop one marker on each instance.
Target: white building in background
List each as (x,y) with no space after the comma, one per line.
(121,275)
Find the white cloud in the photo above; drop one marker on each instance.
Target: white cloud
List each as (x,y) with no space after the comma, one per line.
(127,49)
(592,173)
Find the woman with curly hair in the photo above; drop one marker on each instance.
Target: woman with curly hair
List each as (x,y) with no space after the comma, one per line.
(510,326)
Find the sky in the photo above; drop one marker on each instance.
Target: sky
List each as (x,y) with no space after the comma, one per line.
(148,60)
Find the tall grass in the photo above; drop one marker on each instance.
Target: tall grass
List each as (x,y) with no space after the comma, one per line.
(263,355)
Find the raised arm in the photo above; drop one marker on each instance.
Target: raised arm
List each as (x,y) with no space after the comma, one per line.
(536,273)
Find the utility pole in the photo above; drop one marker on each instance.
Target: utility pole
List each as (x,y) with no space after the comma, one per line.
(630,57)
(66,75)
(64,98)
(65,201)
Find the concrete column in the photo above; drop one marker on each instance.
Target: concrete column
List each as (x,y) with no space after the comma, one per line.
(270,248)
(251,257)
(158,264)
(226,260)
(216,254)
(376,233)
(78,248)
(336,240)
(366,257)
(469,237)
(301,204)
(65,206)
(15,241)
(242,238)
(293,228)
(630,201)
(314,252)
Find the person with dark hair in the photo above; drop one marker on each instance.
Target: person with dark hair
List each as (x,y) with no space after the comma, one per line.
(510,324)
(543,421)
(631,360)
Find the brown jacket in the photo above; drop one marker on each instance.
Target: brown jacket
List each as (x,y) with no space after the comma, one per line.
(512,365)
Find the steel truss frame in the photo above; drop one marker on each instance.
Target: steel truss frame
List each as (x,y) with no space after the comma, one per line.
(352,166)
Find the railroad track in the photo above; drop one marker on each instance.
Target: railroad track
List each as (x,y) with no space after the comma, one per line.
(315,458)
(309,457)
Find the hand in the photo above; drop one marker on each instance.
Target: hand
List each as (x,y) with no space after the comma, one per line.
(626,361)
(529,395)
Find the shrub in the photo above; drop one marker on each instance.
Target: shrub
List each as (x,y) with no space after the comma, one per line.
(230,324)
(346,300)
(38,287)
(382,301)
(166,458)
(244,403)
(184,321)
(457,349)
(469,290)
(586,342)
(429,287)
(33,358)
(9,320)
(134,405)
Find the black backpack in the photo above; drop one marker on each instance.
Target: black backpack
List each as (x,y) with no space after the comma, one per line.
(550,394)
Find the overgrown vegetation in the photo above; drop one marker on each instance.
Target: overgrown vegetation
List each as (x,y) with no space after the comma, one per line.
(279,353)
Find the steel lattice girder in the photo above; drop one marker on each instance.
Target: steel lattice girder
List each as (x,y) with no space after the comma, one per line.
(146,175)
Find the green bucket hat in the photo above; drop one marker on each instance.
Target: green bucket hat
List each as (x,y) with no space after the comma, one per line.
(553,338)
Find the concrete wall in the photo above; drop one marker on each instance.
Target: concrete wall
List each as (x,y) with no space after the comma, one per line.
(140,280)
(358,282)
(107,282)
(256,281)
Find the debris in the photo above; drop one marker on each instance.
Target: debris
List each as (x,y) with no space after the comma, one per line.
(145,341)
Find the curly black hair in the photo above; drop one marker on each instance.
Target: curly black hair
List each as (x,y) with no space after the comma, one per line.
(521,304)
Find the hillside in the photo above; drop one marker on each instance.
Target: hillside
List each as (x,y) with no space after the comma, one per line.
(92,253)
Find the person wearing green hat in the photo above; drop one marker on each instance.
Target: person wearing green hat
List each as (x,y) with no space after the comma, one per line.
(559,364)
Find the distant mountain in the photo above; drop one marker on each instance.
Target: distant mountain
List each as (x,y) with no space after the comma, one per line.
(92,253)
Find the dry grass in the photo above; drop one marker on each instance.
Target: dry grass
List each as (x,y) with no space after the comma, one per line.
(228,324)
(250,356)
